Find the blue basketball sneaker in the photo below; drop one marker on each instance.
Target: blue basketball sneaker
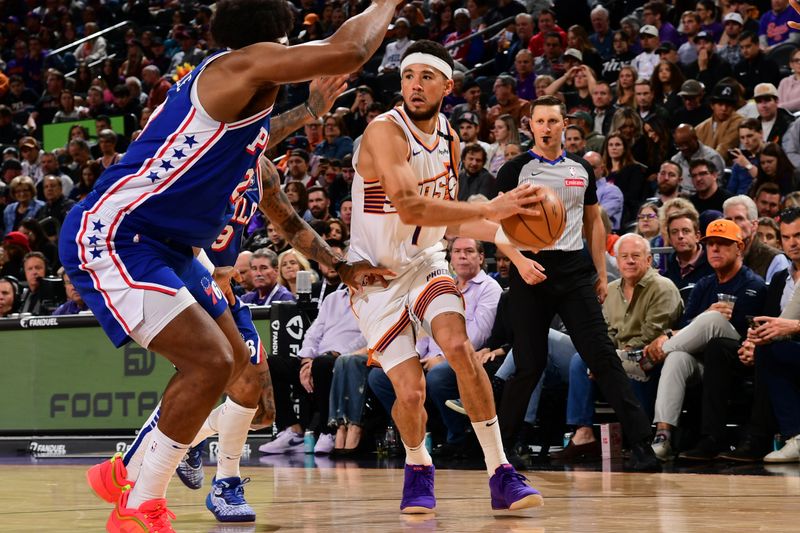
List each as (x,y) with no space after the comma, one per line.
(509,490)
(191,468)
(226,500)
(418,490)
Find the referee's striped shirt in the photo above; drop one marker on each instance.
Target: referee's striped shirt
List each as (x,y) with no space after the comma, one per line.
(570,176)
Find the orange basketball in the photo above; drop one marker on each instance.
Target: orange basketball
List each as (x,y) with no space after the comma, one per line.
(540,231)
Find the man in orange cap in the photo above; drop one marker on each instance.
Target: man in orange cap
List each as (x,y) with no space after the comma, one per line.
(712,325)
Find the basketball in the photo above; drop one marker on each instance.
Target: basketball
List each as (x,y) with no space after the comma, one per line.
(542,230)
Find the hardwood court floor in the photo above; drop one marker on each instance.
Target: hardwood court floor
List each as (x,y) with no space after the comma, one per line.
(55,498)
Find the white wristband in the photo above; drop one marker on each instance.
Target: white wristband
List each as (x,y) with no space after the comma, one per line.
(205,261)
(501,238)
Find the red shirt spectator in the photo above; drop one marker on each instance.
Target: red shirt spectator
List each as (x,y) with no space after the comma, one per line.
(546,24)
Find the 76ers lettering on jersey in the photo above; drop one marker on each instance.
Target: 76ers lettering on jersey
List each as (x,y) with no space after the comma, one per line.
(182,179)
(245,200)
(378,235)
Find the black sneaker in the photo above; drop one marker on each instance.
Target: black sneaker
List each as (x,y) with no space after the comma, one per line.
(705,450)
(642,458)
(750,450)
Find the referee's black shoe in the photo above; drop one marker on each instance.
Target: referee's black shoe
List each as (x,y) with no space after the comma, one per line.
(643,459)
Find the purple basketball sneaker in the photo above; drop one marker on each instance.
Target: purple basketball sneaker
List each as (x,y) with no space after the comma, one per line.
(509,490)
(418,490)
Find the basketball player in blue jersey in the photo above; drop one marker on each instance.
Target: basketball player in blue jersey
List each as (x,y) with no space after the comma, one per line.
(129,244)
(226,498)
(404,202)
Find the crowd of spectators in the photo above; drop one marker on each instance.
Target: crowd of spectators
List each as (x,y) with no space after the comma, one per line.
(684,110)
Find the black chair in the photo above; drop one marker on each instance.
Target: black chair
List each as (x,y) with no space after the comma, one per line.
(780,55)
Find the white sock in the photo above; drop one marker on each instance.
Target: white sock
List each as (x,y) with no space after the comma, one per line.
(418,455)
(234,424)
(488,433)
(160,461)
(133,457)
(210,426)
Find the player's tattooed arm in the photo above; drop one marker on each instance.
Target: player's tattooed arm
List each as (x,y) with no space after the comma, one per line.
(265,413)
(298,233)
(279,211)
(322,93)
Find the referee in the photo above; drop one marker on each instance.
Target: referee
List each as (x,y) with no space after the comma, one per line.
(569,290)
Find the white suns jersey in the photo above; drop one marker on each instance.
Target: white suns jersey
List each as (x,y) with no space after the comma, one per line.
(377,234)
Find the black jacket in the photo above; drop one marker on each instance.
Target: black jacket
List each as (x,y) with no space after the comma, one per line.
(758,70)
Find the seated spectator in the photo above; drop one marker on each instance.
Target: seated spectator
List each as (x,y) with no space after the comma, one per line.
(396,48)
(758,257)
(481,295)
(74,303)
(8,297)
(769,232)
(775,167)
(330,280)
(55,204)
(35,266)
(334,332)
(629,124)
(655,13)
(668,182)
(266,289)
(297,194)
(602,38)
(755,68)
(709,21)
(470,52)
(660,148)
(26,205)
(244,284)
(710,67)
(773,28)
(694,110)
(508,103)
(504,131)
(468,127)
(574,140)
(290,263)
(592,141)
(89,175)
(337,231)
(578,39)
(107,141)
(745,159)
(471,92)
(503,265)
(774,119)
(12,254)
(551,62)
(602,102)
(31,152)
(546,23)
(768,200)
(335,144)
(640,306)
(39,242)
(688,264)
(721,130)
(728,46)
(10,131)
(319,203)
(612,68)
(626,173)
(648,226)
(51,167)
(475,178)
(609,195)
(646,101)
(789,88)
(774,348)
(646,62)
(708,194)
(687,52)
(706,320)
(791,200)
(525,77)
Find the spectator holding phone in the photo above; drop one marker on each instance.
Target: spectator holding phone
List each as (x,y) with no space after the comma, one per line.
(745,158)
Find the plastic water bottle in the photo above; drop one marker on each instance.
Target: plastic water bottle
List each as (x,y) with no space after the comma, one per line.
(309,441)
(391,440)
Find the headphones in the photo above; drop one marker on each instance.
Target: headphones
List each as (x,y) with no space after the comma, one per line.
(16,291)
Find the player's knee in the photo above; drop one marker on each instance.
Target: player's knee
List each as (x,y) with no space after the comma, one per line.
(220,365)
(411,398)
(459,353)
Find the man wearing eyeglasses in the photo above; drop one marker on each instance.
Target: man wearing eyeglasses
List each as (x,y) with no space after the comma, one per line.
(708,194)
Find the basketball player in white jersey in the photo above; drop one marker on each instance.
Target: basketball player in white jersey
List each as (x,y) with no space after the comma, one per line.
(404,203)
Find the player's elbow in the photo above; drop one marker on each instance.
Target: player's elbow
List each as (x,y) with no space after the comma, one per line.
(411,211)
(351,56)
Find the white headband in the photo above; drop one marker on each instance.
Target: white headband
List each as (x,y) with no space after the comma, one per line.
(430,60)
